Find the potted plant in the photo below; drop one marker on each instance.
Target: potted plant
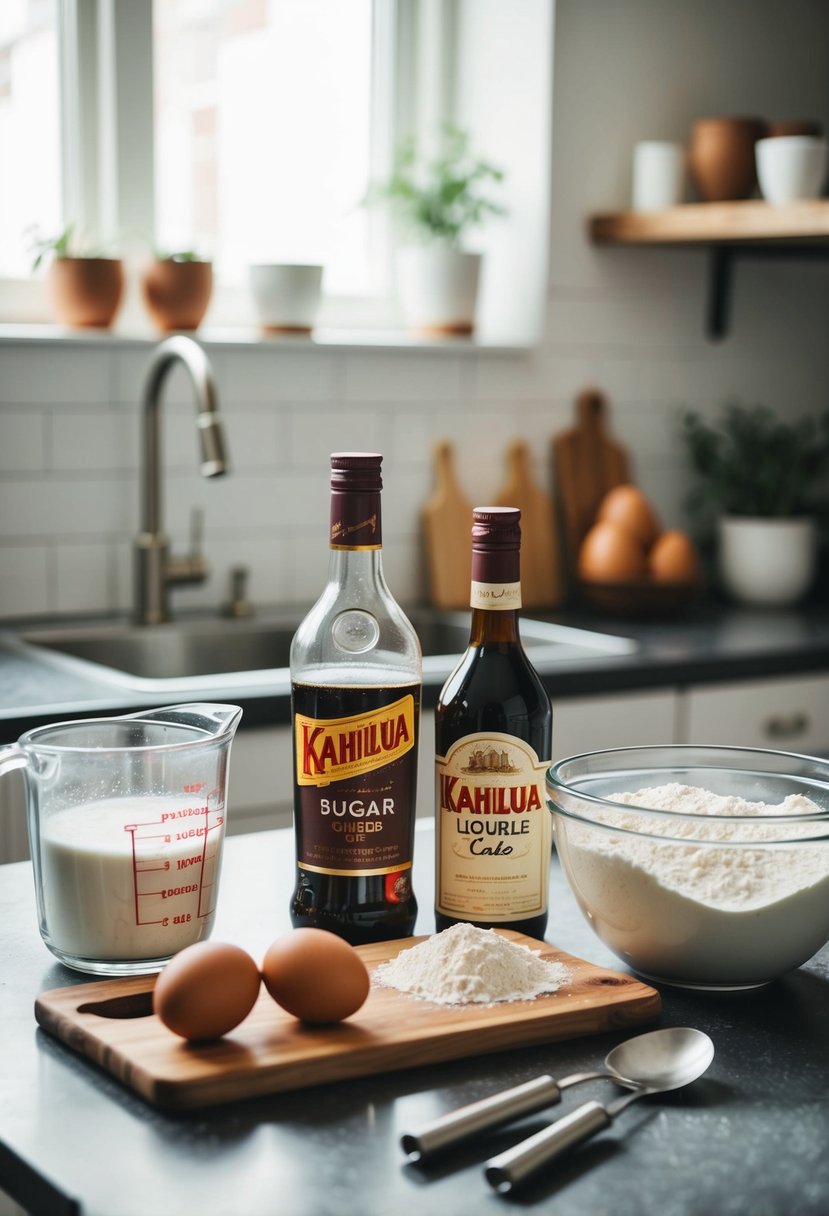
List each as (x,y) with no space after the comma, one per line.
(763,476)
(176,288)
(438,199)
(86,286)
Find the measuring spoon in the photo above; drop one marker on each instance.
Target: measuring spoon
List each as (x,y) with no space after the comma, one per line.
(655,1063)
(510,1104)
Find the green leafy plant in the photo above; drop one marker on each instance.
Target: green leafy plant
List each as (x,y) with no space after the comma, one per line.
(441,196)
(178,255)
(755,464)
(69,243)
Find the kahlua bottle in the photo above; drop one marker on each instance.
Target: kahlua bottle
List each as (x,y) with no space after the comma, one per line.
(355,686)
(493,732)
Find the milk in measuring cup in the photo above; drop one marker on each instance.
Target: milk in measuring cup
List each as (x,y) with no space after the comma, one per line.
(132,877)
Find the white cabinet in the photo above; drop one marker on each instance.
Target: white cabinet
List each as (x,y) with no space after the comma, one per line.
(588,724)
(789,714)
(261,780)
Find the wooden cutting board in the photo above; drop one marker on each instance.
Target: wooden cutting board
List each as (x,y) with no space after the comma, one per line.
(111,1023)
(541,583)
(447,532)
(587,463)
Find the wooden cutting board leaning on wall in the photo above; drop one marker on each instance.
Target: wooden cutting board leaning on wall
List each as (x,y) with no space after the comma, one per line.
(587,463)
(447,531)
(541,580)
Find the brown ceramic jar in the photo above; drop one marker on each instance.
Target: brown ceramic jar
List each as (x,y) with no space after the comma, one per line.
(721,157)
(86,292)
(176,294)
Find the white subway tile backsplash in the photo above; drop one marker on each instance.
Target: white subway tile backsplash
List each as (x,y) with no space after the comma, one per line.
(24,580)
(50,373)
(278,376)
(84,578)
(63,507)
(419,377)
(92,439)
(22,440)
(316,433)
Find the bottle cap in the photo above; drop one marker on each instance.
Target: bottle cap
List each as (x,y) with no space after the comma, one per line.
(495,528)
(358,471)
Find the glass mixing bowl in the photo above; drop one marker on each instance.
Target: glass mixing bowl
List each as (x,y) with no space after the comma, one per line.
(691,886)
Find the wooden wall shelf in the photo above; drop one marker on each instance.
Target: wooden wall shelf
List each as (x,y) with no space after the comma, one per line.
(729,231)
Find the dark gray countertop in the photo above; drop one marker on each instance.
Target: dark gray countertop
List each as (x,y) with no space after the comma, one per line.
(748,1139)
(709,642)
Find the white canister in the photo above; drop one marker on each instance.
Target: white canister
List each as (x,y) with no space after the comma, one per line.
(287,296)
(767,562)
(791,167)
(658,175)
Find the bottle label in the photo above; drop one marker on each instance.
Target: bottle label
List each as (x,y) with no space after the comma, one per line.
(495,597)
(354,783)
(494,832)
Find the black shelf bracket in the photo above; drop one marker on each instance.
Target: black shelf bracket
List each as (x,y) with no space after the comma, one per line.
(721,275)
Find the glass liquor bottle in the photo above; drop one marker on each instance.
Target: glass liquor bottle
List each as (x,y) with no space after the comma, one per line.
(355,692)
(493,737)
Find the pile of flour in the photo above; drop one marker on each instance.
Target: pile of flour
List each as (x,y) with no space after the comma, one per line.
(702,910)
(465,965)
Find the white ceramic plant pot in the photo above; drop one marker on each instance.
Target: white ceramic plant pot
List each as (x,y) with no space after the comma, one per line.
(438,289)
(287,297)
(767,561)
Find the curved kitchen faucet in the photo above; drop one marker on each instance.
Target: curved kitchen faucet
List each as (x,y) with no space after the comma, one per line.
(155,569)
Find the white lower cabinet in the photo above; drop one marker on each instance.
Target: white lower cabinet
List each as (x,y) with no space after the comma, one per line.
(786,714)
(589,724)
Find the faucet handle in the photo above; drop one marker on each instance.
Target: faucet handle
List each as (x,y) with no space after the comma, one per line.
(238,605)
(196,532)
(192,568)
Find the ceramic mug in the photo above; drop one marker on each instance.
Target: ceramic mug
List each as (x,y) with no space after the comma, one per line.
(658,175)
(287,296)
(791,167)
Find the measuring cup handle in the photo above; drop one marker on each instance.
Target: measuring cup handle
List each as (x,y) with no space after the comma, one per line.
(12,757)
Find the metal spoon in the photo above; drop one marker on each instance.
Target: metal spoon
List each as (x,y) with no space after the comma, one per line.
(510,1104)
(658,1062)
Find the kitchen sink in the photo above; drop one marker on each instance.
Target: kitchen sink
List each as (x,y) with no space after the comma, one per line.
(253,652)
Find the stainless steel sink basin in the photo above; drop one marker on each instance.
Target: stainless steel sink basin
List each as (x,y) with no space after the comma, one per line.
(222,653)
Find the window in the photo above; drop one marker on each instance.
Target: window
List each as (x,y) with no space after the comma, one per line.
(29,128)
(250,131)
(263,133)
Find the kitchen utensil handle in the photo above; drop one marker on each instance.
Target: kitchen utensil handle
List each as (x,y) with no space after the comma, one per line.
(519,1163)
(12,757)
(466,1122)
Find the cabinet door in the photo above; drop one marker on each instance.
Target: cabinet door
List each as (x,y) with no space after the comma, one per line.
(261,787)
(786,714)
(588,724)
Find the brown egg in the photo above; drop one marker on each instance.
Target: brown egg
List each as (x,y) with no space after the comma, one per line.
(628,507)
(673,559)
(206,989)
(611,554)
(315,975)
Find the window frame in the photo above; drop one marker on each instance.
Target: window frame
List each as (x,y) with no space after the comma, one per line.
(107,152)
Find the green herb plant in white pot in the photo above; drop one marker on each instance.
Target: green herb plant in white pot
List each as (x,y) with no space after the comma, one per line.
(438,199)
(764,476)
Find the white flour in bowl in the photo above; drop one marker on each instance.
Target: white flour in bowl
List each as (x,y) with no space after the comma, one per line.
(466,965)
(706,913)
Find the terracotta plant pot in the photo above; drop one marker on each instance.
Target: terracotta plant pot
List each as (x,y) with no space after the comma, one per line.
(176,294)
(86,292)
(721,157)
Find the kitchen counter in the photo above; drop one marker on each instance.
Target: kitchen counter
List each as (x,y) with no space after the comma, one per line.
(747,1139)
(707,643)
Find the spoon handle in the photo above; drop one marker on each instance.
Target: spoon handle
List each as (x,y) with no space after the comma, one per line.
(479,1116)
(519,1163)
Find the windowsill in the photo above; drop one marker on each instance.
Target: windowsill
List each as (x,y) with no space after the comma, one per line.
(320,339)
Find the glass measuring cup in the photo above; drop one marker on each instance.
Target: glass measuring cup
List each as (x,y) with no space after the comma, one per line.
(126,822)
